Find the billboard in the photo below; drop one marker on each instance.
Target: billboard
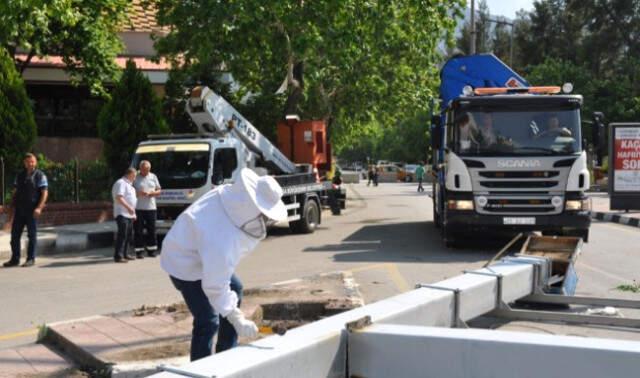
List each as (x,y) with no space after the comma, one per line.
(624,166)
(626,159)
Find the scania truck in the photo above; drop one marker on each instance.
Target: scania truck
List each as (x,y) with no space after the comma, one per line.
(507,155)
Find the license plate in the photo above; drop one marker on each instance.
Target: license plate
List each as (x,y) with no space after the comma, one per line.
(519,220)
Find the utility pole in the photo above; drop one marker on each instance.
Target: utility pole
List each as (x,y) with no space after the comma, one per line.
(511,24)
(472,49)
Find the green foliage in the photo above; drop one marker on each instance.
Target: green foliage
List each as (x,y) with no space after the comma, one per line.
(590,43)
(350,62)
(93,177)
(406,141)
(133,113)
(83,33)
(633,287)
(17,124)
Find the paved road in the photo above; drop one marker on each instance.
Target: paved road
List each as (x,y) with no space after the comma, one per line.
(386,238)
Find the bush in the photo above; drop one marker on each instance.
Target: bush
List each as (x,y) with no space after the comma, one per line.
(130,116)
(94,181)
(17,124)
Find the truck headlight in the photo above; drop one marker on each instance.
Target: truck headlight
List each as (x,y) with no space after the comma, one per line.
(579,205)
(460,205)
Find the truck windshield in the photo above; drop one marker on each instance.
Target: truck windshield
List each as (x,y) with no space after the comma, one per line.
(503,133)
(177,165)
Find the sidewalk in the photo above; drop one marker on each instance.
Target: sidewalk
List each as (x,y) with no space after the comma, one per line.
(600,210)
(63,239)
(134,343)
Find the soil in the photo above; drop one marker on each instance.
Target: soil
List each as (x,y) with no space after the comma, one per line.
(154,352)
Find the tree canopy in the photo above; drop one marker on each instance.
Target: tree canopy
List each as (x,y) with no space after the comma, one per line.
(351,62)
(18,127)
(133,113)
(594,44)
(83,33)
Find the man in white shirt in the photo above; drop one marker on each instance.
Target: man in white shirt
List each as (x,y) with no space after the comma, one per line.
(203,248)
(124,211)
(147,189)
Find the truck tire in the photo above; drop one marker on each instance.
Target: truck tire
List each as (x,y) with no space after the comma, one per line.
(310,217)
(580,233)
(449,237)
(436,217)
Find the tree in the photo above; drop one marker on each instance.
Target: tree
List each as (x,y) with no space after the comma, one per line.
(133,113)
(484,32)
(348,62)
(18,127)
(83,33)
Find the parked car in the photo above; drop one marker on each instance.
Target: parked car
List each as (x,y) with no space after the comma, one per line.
(388,173)
(409,172)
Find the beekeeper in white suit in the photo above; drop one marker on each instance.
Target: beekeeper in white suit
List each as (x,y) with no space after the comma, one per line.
(203,248)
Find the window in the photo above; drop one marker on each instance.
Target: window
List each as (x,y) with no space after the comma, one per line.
(225,162)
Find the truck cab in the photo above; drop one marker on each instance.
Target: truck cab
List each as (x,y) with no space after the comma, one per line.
(187,167)
(510,159)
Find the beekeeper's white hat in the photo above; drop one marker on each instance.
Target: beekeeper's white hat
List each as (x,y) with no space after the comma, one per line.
(251,195)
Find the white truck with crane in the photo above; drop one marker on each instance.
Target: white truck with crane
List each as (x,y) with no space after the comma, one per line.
(506,155)
(189,165)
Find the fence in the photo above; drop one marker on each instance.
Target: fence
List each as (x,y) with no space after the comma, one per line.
(73,181)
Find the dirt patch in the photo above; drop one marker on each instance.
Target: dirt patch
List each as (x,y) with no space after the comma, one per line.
(67,373)
(274,308)
(153,352)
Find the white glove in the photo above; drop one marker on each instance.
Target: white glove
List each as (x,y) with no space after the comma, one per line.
(244,327)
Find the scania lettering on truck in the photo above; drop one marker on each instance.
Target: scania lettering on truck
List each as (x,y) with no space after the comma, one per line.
(506,155)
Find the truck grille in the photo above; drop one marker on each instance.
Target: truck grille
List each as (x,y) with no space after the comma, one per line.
(519,184)
(518,204)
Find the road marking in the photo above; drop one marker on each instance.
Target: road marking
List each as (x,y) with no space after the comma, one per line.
(397,277)
(622,227)
(393,271)
(15,335)
(604,273)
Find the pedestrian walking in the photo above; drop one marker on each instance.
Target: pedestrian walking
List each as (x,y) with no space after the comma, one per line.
(420,176)
(30,192)
(124,211)
(147,189)
(376,175)
(202,249)
(370,174)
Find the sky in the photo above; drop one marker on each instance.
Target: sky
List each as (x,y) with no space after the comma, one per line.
(507,8)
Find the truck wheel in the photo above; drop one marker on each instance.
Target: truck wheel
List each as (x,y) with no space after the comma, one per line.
(449,237)
(309,220)
(436,217)
(580,233)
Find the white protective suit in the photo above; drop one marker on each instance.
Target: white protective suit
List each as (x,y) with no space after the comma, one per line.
(207,242)
(208,249)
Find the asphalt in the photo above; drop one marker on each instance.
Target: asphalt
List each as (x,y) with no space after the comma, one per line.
(72,238)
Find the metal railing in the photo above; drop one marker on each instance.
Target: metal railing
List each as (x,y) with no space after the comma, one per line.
(68,182)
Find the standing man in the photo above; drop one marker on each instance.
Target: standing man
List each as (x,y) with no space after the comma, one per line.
(124,211)
(202,249)
(30,192)
(420,176)
(147,189)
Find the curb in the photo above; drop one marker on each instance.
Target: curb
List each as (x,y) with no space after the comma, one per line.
(615,218)
(75,353)
(65,242)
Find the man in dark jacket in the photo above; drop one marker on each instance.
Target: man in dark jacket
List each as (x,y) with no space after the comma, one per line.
(29,196)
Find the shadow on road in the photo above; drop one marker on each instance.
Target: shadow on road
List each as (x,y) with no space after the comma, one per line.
(406,242)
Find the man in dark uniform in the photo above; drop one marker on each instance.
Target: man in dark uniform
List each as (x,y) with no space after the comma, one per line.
(29,196)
